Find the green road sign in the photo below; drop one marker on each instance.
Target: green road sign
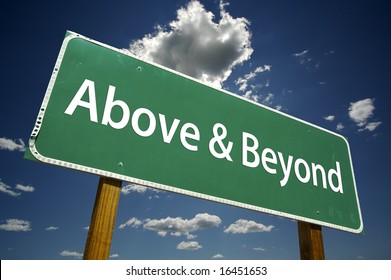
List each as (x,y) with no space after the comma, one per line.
(109,113)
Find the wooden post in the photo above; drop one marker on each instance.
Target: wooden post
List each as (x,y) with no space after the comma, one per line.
(102,222)
(310,241)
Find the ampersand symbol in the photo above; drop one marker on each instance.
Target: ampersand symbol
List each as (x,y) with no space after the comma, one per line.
(225,151)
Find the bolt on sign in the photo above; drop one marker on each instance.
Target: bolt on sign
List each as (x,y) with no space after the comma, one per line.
(109,113)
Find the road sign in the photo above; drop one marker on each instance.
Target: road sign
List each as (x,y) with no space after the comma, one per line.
(109,113)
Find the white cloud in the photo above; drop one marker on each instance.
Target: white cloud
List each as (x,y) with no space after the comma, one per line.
(243,81)
(249,88)
(16,225)
(268,99)
(249,95)
(51,228)
(114,256)
(307,61)
(4,188)
(301,54)
(331,52)
(218,256)
(245,226)
(302,57)
(178,226)
(191,236)
(24,188)
(329,118)
(371,126)
(67,253)
(189,245)
(133,222)
(198,45)
(361,111)
(259,249)
(12,145)
(340,126)
(135,188)
(163,233)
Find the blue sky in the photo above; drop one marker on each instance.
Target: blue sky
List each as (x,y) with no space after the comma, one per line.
(326,63)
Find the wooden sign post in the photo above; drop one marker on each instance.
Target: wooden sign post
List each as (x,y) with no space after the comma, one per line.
(105,211)
(102,222)
(310,241)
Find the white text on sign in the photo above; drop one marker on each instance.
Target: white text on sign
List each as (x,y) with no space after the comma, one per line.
(190,136)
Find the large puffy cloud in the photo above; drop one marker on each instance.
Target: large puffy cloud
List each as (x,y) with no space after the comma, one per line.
(196,45)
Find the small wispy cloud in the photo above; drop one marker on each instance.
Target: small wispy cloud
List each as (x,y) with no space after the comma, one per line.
(15,192)
(329,118)
(136,188)
(132,222)
(245,226)
(71,254)
(189,245)
(278,107)
(310,61)
(24,188)
(259,249)
(12,145)
(16,225)
(268,99)
(301,54)
(371,126)
(303,58)
(330,52)
(340,126)
(51,228)
(242,82)
(218,256)
(251,86)
(4,188)
(114,256)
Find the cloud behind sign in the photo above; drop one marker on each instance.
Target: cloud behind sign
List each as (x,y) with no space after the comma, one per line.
(198,45)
